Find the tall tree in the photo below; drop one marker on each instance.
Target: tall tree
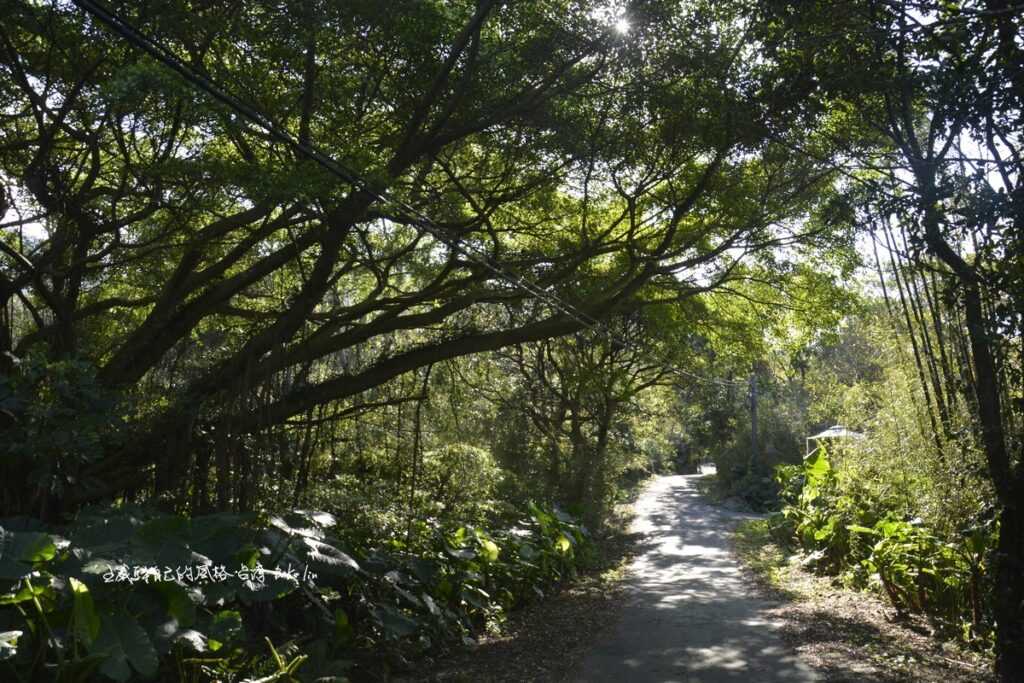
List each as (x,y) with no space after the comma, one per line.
(930,96)
(226,283)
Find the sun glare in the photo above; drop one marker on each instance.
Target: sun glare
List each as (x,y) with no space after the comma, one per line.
(622,25)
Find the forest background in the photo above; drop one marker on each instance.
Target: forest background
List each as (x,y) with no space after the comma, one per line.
(456,275)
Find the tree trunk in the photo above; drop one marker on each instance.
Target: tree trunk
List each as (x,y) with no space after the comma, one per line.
(581,465)
(599,461)
(1009,601)
(923,378)
(1009,598)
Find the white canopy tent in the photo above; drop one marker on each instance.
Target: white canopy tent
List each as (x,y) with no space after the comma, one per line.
(833,432)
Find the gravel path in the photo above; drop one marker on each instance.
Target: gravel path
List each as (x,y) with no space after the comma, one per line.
(689,615)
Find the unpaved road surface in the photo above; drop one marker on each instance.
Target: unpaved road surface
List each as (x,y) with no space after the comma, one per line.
(689,616)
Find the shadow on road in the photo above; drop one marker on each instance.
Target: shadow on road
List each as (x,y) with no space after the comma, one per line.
(690,615)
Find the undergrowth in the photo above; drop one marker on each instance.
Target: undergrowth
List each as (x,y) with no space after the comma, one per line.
(757,550)
(868,542)
(131,594)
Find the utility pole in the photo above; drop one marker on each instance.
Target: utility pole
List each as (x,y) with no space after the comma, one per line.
(753,421)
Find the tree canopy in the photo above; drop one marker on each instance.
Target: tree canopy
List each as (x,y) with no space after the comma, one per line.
(188,252)
(424,264)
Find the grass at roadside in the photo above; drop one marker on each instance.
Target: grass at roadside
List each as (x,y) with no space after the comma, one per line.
(840,631)
(755,548)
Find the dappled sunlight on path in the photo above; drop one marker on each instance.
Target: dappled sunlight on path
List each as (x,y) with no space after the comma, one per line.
(689,615)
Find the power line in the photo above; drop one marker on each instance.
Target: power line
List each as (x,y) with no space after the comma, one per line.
(151,47)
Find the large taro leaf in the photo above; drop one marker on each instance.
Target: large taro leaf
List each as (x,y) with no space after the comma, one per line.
(393,622)
(191,640)
(424,570)
(125,646)
(221,592)
(562,516)
(161,541)
(325,558)
(85,621)
(476,596)
(276,584)
(180,601)
(321,519)
(167,634)
(378,562)
(816,469)
(528,551)
(295,523)
(19,550)
(163,529)
(104,535)
(407,596)
(221,536)
(165,541)
(462,553)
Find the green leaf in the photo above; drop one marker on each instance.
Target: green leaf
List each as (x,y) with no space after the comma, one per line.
(20,550)
(342,627)
(477,597)
(562,543)
(276,584)
(192,639)
(226,626)
(124,642)
(248,556)
(180,602)
(462,553)
(489,550)
(159,531)
(816,469)
(394,623)
(826,531)
(84,619)
(424,570)
(327,558)
(431,605)
(25,594)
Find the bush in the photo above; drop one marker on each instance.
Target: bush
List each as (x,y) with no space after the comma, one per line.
(846,531)
(129,593)
(461,479)
(54,416)
(752,479)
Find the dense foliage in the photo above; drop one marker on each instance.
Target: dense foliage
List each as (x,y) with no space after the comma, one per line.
(129,593)
(869,540)
(423,265)
(237,296)
(905,507)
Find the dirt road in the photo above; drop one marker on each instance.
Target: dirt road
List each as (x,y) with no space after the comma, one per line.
(689,615)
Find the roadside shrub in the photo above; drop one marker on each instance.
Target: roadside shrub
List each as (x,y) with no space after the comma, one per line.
(919,572)
(846,531)
(461,479)
(132,594)
(751,478)
(54,416)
